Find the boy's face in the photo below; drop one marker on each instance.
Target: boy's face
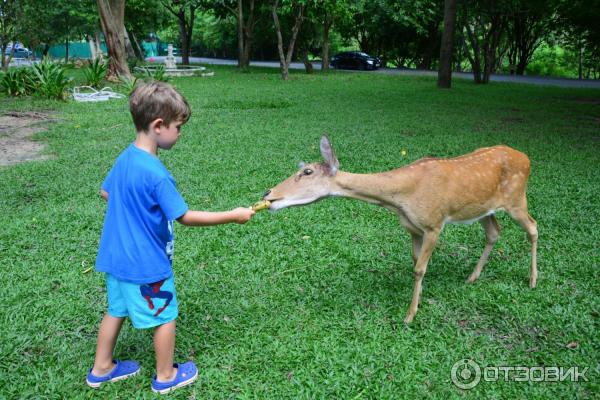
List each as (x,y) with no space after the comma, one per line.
(168,135)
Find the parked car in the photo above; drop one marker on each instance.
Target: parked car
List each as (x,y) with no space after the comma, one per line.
(355,60)
(21,52)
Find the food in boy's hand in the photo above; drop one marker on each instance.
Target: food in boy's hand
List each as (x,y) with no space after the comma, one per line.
(261,205)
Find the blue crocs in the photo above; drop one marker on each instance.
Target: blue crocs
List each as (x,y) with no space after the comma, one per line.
(186,374)
(122,370)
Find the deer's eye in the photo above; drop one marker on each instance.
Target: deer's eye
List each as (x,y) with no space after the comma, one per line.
(307,171)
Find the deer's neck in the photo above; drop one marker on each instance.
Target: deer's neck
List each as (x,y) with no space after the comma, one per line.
(373,188)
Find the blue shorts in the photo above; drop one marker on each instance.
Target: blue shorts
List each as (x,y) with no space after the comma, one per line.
(146,305)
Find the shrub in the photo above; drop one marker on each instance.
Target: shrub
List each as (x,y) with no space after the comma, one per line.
(95,72)
(16,82)
(157,74)
(128,83)
(48,80)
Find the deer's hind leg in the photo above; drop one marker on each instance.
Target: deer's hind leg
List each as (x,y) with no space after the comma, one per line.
(492,231)
(417,242)
(521,215)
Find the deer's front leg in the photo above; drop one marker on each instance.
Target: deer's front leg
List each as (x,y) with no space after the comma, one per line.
(429,240)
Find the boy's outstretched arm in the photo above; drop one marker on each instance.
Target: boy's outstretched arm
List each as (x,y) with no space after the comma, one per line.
(104,194)
(239,215)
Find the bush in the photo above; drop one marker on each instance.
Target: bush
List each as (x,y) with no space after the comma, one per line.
(128,83)
(16,82)
(157,74)
(95,72)
(48,80)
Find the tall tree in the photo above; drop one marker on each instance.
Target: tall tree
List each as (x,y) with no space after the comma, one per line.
(285,58)
(247,14)
(445,71)
(71,20)
(529,23)
(406,33)
(9,17)
(112,17)
(328,12)
(484,24)
(578,25)
(185,11)
(141,18)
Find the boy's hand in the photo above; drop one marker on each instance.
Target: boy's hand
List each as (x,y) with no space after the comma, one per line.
(241,215)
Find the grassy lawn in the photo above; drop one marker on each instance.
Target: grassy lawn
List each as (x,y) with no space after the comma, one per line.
(309,302)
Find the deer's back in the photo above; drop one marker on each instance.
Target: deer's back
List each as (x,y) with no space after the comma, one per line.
(467,187)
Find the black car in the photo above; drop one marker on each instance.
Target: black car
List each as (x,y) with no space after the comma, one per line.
(355,60)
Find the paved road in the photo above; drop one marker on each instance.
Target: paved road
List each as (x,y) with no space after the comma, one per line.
(562,82)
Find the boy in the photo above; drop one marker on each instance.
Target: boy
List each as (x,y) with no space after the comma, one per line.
(136,246)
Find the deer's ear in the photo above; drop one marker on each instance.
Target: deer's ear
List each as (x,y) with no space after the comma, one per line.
(329,155)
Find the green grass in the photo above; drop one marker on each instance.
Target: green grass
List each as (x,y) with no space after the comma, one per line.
(309,302)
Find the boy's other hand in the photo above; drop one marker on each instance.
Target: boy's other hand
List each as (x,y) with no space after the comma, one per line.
(241,215)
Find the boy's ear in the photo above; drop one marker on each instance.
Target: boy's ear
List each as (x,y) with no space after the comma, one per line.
(156,125)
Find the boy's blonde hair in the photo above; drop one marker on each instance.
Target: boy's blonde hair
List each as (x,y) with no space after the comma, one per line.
(153,100)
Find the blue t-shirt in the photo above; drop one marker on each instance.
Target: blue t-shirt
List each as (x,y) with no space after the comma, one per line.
(137,240)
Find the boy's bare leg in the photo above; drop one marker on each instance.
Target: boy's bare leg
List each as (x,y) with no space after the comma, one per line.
(107,338)
(164,347)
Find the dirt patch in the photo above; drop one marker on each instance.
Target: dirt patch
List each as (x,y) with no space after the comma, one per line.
(16,129)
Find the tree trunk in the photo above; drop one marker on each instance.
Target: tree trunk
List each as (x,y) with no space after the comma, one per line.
(580,67)
(240,18)
(92,47)
(185,55)
(491,46)
(137,46)
(112,14)
(67,49)
(475,58)
(307,64)
(4,45)
(245,35)
(445,71)
(325,53)
(128,46)
(246,53)
(285,59)
(99,52)
(521,65)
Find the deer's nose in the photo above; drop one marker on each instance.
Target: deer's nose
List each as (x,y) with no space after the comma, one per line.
(268,192)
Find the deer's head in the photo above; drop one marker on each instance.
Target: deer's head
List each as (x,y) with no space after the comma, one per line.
(312,182)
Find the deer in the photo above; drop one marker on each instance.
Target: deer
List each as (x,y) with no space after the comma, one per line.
(426,195)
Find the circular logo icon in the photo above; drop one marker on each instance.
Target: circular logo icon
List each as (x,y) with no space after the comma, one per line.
(465,374)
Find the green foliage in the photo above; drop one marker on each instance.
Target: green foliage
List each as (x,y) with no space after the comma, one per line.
(133,63)
(49,80)
(128,83)
(157,73)
(16,82)
(552,61)
(95,72)
(308,303)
